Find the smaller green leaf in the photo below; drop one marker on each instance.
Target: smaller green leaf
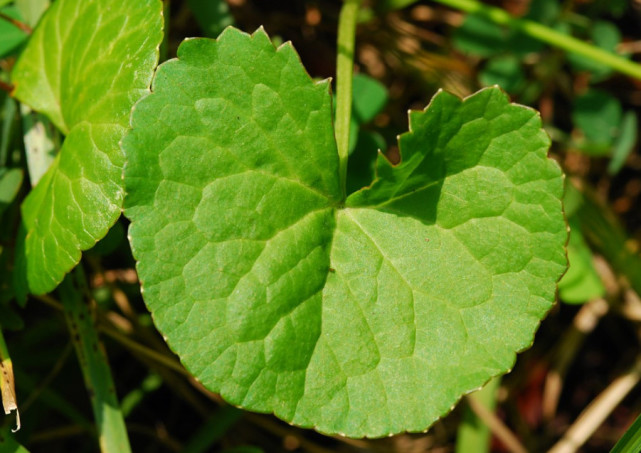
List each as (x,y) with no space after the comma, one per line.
(10,182)
(480,36)
(504,71)
(581,283)
(370,97)
(598,115)
(10,35)
(624,143)
(9,126)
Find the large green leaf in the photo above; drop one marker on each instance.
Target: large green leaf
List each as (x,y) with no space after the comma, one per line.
(366,316)
(85,66)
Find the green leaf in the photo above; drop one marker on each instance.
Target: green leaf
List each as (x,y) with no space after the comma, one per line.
(598,114)
(10,182)
(370,97)
(504,71)
(367,316)
(10,35)
(630,442)
(84,67)
(624,142)
(581,283)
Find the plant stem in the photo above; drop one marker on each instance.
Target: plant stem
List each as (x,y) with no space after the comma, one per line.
(110,424)
(344,77)
(548,35)
(473,433)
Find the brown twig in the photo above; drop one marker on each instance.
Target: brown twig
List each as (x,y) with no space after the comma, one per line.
(598,410)
(21,25)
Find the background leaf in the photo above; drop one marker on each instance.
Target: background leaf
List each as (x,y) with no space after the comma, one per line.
(365,320)
(80,196)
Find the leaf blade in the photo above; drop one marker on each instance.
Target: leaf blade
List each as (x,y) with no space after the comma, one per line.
(350,319)
(81,195)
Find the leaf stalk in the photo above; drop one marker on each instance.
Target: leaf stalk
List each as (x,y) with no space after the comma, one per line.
(110,424)
(344,78)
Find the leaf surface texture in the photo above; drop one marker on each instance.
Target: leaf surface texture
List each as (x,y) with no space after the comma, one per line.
(366,316)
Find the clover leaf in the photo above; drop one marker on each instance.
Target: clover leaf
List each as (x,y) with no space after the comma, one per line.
(363,316)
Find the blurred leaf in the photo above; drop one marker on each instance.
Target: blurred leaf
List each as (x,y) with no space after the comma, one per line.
(480,36)
(370,97)
(8,121)
(10,182)
(544,11)
(473,433)
(32,10)
(10,35)
(614,8)
(8,443)
(504,71)
(581,282)
(604,35)
(602,230)
(598,115)
(212,16)
(624,143)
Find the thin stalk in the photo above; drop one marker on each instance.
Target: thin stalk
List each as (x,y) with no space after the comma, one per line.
(548,36)
(344,77)
(15,22)
(110,424)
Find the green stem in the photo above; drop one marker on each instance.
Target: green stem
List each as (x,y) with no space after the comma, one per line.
(344,77)
(473,434)
(548,35)
(110,424)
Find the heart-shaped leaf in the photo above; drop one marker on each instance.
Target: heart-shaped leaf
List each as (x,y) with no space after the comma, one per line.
(366,316)
(85,66)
